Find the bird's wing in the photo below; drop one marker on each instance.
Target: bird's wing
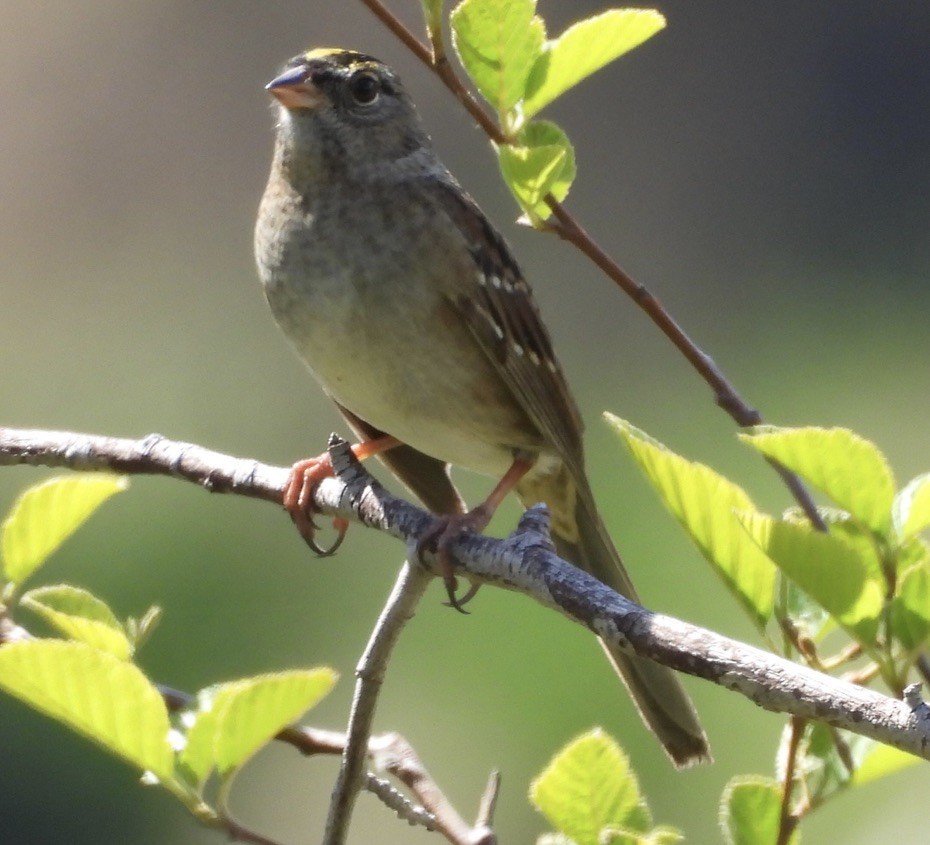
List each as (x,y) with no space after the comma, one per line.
(503,317)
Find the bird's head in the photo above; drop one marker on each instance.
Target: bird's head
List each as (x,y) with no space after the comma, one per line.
(348,107)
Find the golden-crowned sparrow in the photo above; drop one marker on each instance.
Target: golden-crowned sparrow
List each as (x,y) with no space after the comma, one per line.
(410,310)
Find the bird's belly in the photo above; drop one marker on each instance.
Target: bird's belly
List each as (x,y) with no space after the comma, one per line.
(423,412)
(424,381)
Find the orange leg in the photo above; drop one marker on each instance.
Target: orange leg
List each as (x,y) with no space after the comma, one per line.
(446,528)
(304,477)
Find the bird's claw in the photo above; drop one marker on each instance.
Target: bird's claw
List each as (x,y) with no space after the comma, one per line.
(298,502)
(440,536)
(456,602)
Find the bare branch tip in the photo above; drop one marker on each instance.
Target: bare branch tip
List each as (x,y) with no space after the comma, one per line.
(489,801)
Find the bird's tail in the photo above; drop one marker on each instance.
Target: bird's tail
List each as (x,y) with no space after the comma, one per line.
(659,696)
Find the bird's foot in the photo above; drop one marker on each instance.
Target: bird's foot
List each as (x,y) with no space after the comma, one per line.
(307,474)
(298,501)
(440,536)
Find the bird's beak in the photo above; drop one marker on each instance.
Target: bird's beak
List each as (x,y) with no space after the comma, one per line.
(295,90)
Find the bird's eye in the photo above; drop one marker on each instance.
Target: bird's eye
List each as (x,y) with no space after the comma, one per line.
(364,88)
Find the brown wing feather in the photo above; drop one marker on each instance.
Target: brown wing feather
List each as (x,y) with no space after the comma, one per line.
(502,314)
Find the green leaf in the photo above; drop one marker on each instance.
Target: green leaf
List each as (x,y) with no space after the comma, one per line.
(619,836)
(588,786)
(911,553)
(848,468)
(657,836)
(842,525)
(826,567)
(554,839)
(911,510)
(529,172)
(94,693)
(46,515)
(498,42)
(139,630)
(198,756)
(808,616)
(881,761)
(664,835)
(80,615)
(432,14)
(705,504)
(251,711)
(910,608)
(584,49)
(750,812)
(541,162)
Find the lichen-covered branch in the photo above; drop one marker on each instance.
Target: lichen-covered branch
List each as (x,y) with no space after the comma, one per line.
(524,562)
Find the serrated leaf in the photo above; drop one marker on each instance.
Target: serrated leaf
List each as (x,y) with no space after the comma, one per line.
(911,509)
(96,694)
(588,786)
(849,469)
(619,836)
(704,503)
(530,173)
(46,515)
(842,524)
(540,162)
(826,567)
(912,552)
(251,711)
(808,616)
(541,133)
(657,836)
(750,812)
(198,756)
(554,839)
(80,615)
(585,48)
(498,42)
(910,608)
(881,761)
(664,835)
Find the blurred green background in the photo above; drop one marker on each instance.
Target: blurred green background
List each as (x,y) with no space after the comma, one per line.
(764,168)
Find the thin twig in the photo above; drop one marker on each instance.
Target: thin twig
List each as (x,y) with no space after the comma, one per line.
(787,822)
(849,652)
(489,801)
(390,753)
(409,588)
(395,800)
(238,833)
(394,754)
(570,230)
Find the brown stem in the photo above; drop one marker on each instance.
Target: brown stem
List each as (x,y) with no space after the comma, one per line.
(787,821)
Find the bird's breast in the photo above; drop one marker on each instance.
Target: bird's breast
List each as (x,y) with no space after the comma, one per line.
(373,323)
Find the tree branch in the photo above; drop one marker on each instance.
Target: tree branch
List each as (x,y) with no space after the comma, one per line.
(523,562)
